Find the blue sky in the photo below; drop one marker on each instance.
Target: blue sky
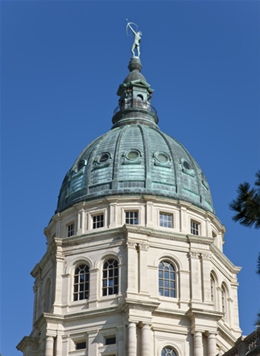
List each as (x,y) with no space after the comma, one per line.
(61,64)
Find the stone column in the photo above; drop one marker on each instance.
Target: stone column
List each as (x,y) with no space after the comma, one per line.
(49,345)
(212,345)
(58,345)
(132,339)
(198,349)
(146,340)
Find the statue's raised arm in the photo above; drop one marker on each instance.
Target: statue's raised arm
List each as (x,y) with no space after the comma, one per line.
(137,39)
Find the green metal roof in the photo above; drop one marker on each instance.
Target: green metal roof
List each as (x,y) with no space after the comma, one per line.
(135,157)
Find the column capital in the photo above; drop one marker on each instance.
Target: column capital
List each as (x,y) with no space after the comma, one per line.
(193,254)
(131,244)
(143,246)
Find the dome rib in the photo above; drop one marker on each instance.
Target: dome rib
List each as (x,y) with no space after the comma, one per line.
(175,170)
(147,165)
(117,157)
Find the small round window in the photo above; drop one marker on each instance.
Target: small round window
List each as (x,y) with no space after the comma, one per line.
(139,97)
(103,158)
(132,155)
(162,157)
(186,165)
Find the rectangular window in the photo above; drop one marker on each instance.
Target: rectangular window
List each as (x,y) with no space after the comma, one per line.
(110,340)
(70,229)
(166,220)
(194,227)
(131,217)
(81,345)
(98,221)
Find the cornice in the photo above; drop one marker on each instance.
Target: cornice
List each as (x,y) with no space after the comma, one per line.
(204,314)
(130,303)
(226,334)
(27,341)
(225,261)
(48,256)
(93,236)
(169,313)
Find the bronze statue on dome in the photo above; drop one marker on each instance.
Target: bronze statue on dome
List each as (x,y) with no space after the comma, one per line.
(137,39)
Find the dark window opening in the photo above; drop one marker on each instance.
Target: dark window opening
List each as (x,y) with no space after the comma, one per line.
(98,221)
(81,283)
(167,280)
(104,157)
(70,229)
(194,228)
(81,345)
(186,165)
(110,340)
(131,217)
(110,278)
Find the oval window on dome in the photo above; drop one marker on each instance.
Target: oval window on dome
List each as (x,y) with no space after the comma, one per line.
(162,157)
(133,155)
(186,165)
(81,164)
(103,158)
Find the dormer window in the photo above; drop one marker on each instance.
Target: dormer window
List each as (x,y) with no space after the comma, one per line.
(70,229)
(194,227)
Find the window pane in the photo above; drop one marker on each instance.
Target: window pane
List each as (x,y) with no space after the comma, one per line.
(81,288)
(166,279)
(131,217)
(110,277)
(166,220)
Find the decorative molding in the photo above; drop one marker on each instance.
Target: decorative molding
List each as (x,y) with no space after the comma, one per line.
(226,262)
(130,244)
(206,256)
(143,246)
(193,254)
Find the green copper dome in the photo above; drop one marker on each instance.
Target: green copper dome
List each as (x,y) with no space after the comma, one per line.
(135,157)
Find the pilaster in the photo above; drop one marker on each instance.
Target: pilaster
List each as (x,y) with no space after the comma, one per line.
(142,270)
(205,269)
(195,269)
(131,266)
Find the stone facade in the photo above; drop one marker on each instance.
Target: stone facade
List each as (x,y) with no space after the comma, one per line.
(200,318)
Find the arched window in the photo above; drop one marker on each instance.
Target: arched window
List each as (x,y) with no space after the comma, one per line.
(168,351)
(110,277)
(212,288)
(224,301)
(81,282)
(167,279)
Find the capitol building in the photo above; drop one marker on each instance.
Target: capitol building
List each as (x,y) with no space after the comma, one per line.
(135,263)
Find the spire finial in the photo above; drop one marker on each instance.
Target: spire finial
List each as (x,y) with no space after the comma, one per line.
(137,38)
